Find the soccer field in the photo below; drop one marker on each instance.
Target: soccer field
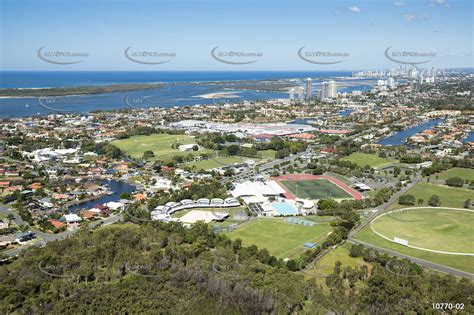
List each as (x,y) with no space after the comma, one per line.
(160,144)
(280,238)
(315,189)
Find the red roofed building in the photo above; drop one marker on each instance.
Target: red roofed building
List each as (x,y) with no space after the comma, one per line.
(4,185)
(57,224)
(329,150)
(334,131)
(139,196)
(302,136)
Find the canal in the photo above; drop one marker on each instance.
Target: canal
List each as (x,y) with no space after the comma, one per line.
(116,187)
(400,137)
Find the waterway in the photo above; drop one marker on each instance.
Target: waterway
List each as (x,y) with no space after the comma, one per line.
(400,137)
(117,187)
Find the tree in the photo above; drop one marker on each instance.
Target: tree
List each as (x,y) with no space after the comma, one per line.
(408,200)
(434,201)
(232,149)
(455,182)
(148,154)
(468,204)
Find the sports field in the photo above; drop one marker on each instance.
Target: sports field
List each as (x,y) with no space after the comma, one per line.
(441,229)
(464,173)
(437,229)
(363,159)
(160,144)
(448,196)
(214,163)
(279,237)
(315,189)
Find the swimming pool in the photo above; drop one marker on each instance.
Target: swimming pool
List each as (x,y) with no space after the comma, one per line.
(285,208)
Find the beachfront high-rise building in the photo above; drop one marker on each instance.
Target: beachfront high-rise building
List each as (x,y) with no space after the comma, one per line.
(309,88)
(292,94)
(420,79)
(299,93)
(328,90)
(391,83)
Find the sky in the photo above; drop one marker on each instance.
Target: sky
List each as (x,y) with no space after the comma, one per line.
(228,35)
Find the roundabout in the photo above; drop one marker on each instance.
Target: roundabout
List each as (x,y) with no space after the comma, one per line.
(439,230)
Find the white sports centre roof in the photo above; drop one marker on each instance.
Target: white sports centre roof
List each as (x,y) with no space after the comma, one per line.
(258,188)
(199,215)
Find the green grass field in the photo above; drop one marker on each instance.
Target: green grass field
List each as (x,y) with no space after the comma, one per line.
(437,229)
(266,154)
(449,196)
(363,159)
(280,238)
(325,266)
(465,263)
(216,163)
(434,231)
(315,189)
(160,144)
(464,173)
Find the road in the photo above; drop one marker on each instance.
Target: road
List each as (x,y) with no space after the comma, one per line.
(48,237)
(418,261)
(384,207)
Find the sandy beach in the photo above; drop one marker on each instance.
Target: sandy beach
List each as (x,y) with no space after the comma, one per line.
(218,95)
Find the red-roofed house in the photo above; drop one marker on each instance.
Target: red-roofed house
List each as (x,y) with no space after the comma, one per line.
(57,224)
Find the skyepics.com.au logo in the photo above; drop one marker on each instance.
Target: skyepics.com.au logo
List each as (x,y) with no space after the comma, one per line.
(58,270)
(148,57)
(142,102)
(147,270)
(61,57)
(62,104)
(404,268)
(322,57)
(409,57)
(235,57)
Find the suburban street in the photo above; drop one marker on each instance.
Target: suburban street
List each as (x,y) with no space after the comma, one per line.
(48,237)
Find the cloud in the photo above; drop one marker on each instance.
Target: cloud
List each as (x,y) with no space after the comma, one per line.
(354,9)
(414,17)
(399,3)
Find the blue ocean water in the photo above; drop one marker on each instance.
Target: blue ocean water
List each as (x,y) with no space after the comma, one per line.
(41,79)
(168,96)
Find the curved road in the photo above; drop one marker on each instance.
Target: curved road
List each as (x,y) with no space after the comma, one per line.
(48,237)
(422,262)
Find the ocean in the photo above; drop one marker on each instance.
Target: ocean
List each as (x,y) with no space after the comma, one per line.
(168,96)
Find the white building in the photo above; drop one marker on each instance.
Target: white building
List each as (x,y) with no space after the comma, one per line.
(187,147)
(256,192)
(391,83)
(328,90)
(292,94)
(309,88)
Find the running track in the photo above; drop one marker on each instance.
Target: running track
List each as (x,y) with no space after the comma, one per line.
(354,193)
